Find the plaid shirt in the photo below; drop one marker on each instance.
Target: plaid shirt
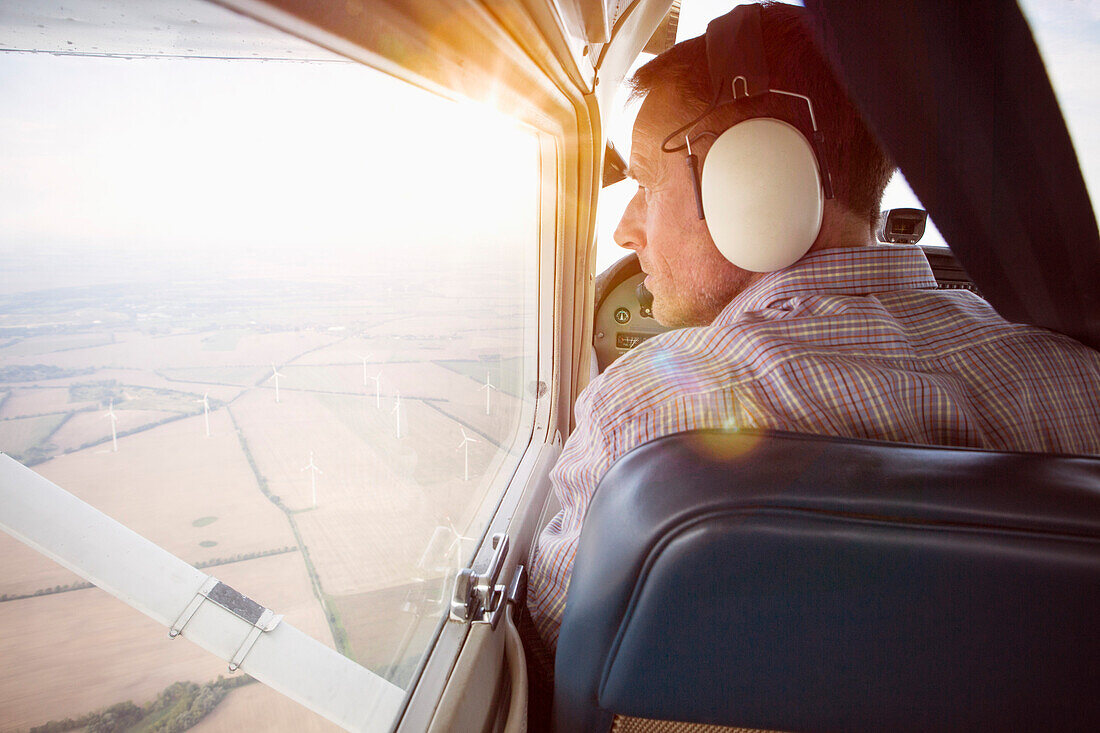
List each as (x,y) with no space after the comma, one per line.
(851,342)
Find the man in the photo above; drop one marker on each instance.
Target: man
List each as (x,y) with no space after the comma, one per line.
(852,340)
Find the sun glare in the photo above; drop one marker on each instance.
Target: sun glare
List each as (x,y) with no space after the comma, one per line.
(211,157)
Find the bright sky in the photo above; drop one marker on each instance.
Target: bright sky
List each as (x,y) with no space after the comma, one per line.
(230,163)
(206,153)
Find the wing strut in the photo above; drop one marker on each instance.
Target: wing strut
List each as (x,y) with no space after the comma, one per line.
(191,603)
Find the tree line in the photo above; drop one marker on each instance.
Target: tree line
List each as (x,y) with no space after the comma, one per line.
(178,707)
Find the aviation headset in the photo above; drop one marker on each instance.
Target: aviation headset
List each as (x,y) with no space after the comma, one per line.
(763,184)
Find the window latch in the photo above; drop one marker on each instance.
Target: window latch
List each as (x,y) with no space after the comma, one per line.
(477,598)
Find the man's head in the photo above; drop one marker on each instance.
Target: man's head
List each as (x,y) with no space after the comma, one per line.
(690,280)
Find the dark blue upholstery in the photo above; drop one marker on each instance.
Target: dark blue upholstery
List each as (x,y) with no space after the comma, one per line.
(793,582)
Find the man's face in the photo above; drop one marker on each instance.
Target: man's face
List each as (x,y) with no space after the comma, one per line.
(690,280)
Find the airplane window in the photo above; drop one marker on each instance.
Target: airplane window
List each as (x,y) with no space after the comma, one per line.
(613,202)
(614,198)
(273,310)
(1068,37)
(898,195)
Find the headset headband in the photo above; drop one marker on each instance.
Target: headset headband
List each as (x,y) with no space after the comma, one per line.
(744,62)
(739,70)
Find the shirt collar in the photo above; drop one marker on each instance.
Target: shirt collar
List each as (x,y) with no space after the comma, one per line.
(840,271)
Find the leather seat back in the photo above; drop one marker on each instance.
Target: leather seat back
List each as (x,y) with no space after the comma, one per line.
(792,582)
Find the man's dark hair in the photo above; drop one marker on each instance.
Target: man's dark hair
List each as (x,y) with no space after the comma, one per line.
(860,168)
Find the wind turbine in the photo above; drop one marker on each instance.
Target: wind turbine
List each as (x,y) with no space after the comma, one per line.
(364,358)
(399,426)
(489,389)
(313,471)
(455,549)
(465,444)
(377,384)
(206,411)
(114,419)
(275,375)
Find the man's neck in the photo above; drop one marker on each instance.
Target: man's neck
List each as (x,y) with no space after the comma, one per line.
(840,227)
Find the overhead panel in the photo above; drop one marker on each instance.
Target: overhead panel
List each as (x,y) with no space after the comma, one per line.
(587,19)
(664,37)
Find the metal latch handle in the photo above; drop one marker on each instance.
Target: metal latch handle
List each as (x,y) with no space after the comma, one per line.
(477,598)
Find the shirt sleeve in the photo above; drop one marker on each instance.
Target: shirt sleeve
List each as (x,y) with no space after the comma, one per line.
(650,392)
(585,459)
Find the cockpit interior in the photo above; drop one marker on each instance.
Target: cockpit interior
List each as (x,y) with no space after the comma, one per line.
(299,305)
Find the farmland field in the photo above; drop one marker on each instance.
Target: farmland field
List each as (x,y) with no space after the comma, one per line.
(135,377)
(386,628)
(138,350)
(504,375)
(234,375)
(394,503)
(112,653)
(36,345)
(17,435)
(34,401)
(379,498)
(86,428)
(351,350)
(264,710)
(158,483)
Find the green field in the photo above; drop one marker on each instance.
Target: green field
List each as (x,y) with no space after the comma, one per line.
(375,428)
(385,633)
(134,397)
(505,374)
(20,435)
(321,378)
(245,376)
(427,455)
(48,344)
(38,372)
(224,340)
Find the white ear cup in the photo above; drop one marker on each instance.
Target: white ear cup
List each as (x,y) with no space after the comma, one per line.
(762,194)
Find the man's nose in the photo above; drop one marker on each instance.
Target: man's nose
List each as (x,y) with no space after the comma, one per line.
(630,233)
